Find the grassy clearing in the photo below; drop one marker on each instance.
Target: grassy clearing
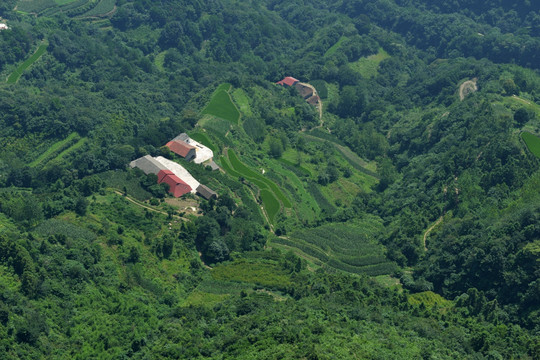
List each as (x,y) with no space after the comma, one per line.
(429,299)
(369,66)
(334,48)
(222,106)
(14,77)
(242,101)
(257,178)
(72,148)
(119,179)
(215,124)
(254,272)
(159,60)
(532,142)
(57,146)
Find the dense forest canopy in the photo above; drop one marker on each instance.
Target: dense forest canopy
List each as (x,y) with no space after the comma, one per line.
(395,216)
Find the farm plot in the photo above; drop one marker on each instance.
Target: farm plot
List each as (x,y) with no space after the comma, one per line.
(54,148)
(368,66)
(14,77)
(347,247)
(532,142)
(222,106)
(258,179)
(255,272)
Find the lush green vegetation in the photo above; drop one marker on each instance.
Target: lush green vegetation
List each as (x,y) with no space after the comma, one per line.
(321,243)
(14,77)
(533,142)
(222,106)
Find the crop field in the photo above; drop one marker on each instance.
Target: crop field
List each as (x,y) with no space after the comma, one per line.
(102,8)
(215,124)
(533,142)
(14,77)
(271,204)
(70,149)
(118,179)
(254,272)
(368,66)
(257,178)
(347,247)
(222,106)
(429,299)
(57,146)
(242,101)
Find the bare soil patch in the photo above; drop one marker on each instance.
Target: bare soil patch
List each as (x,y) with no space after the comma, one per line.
(468,87)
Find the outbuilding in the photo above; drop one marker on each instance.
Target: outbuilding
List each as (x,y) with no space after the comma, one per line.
(288,81)
(148,165)
(182,148)
(206,192)
(177,187)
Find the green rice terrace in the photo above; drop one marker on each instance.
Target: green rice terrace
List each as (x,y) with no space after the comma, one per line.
(532,142)
(221,105)
(14,77)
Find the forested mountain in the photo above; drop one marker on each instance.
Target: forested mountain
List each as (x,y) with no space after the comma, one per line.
(398,218)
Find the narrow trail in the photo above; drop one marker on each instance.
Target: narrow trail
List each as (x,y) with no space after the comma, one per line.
(439,220)
(145,206)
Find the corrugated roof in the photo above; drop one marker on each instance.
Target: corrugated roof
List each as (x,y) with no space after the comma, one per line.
(206,192)
(180,147)
(289,81)
(148,165)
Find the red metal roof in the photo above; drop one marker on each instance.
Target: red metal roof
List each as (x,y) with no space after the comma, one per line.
(180,147)
(177,186)
(289,81)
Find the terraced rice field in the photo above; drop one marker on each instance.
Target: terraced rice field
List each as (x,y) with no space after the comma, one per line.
(14,77)
(222,106)
(532,142)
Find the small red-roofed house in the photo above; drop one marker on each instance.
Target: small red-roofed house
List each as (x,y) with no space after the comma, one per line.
(182,148)
(177,187)
(288,81)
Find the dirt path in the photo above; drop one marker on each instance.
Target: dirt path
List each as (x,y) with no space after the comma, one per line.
(145,206)
(468,87)
(439,220)
(319,105)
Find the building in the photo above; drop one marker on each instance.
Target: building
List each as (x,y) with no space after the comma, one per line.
(288,81)
(3,27)
(148,165)
(202,153)
(179,171)
(206,192)
(177,187)
(182,148)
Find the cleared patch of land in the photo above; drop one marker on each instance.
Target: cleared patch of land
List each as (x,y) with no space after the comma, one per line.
(533,142)
(14,77)
(334,48)
(468,87)
(57,146)
(222,106)
(369,66)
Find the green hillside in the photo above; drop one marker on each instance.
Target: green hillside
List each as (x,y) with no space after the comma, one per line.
(398,219)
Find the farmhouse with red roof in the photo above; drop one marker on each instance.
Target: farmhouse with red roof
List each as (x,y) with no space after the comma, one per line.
(177,187)
(182,148)
(288,81)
